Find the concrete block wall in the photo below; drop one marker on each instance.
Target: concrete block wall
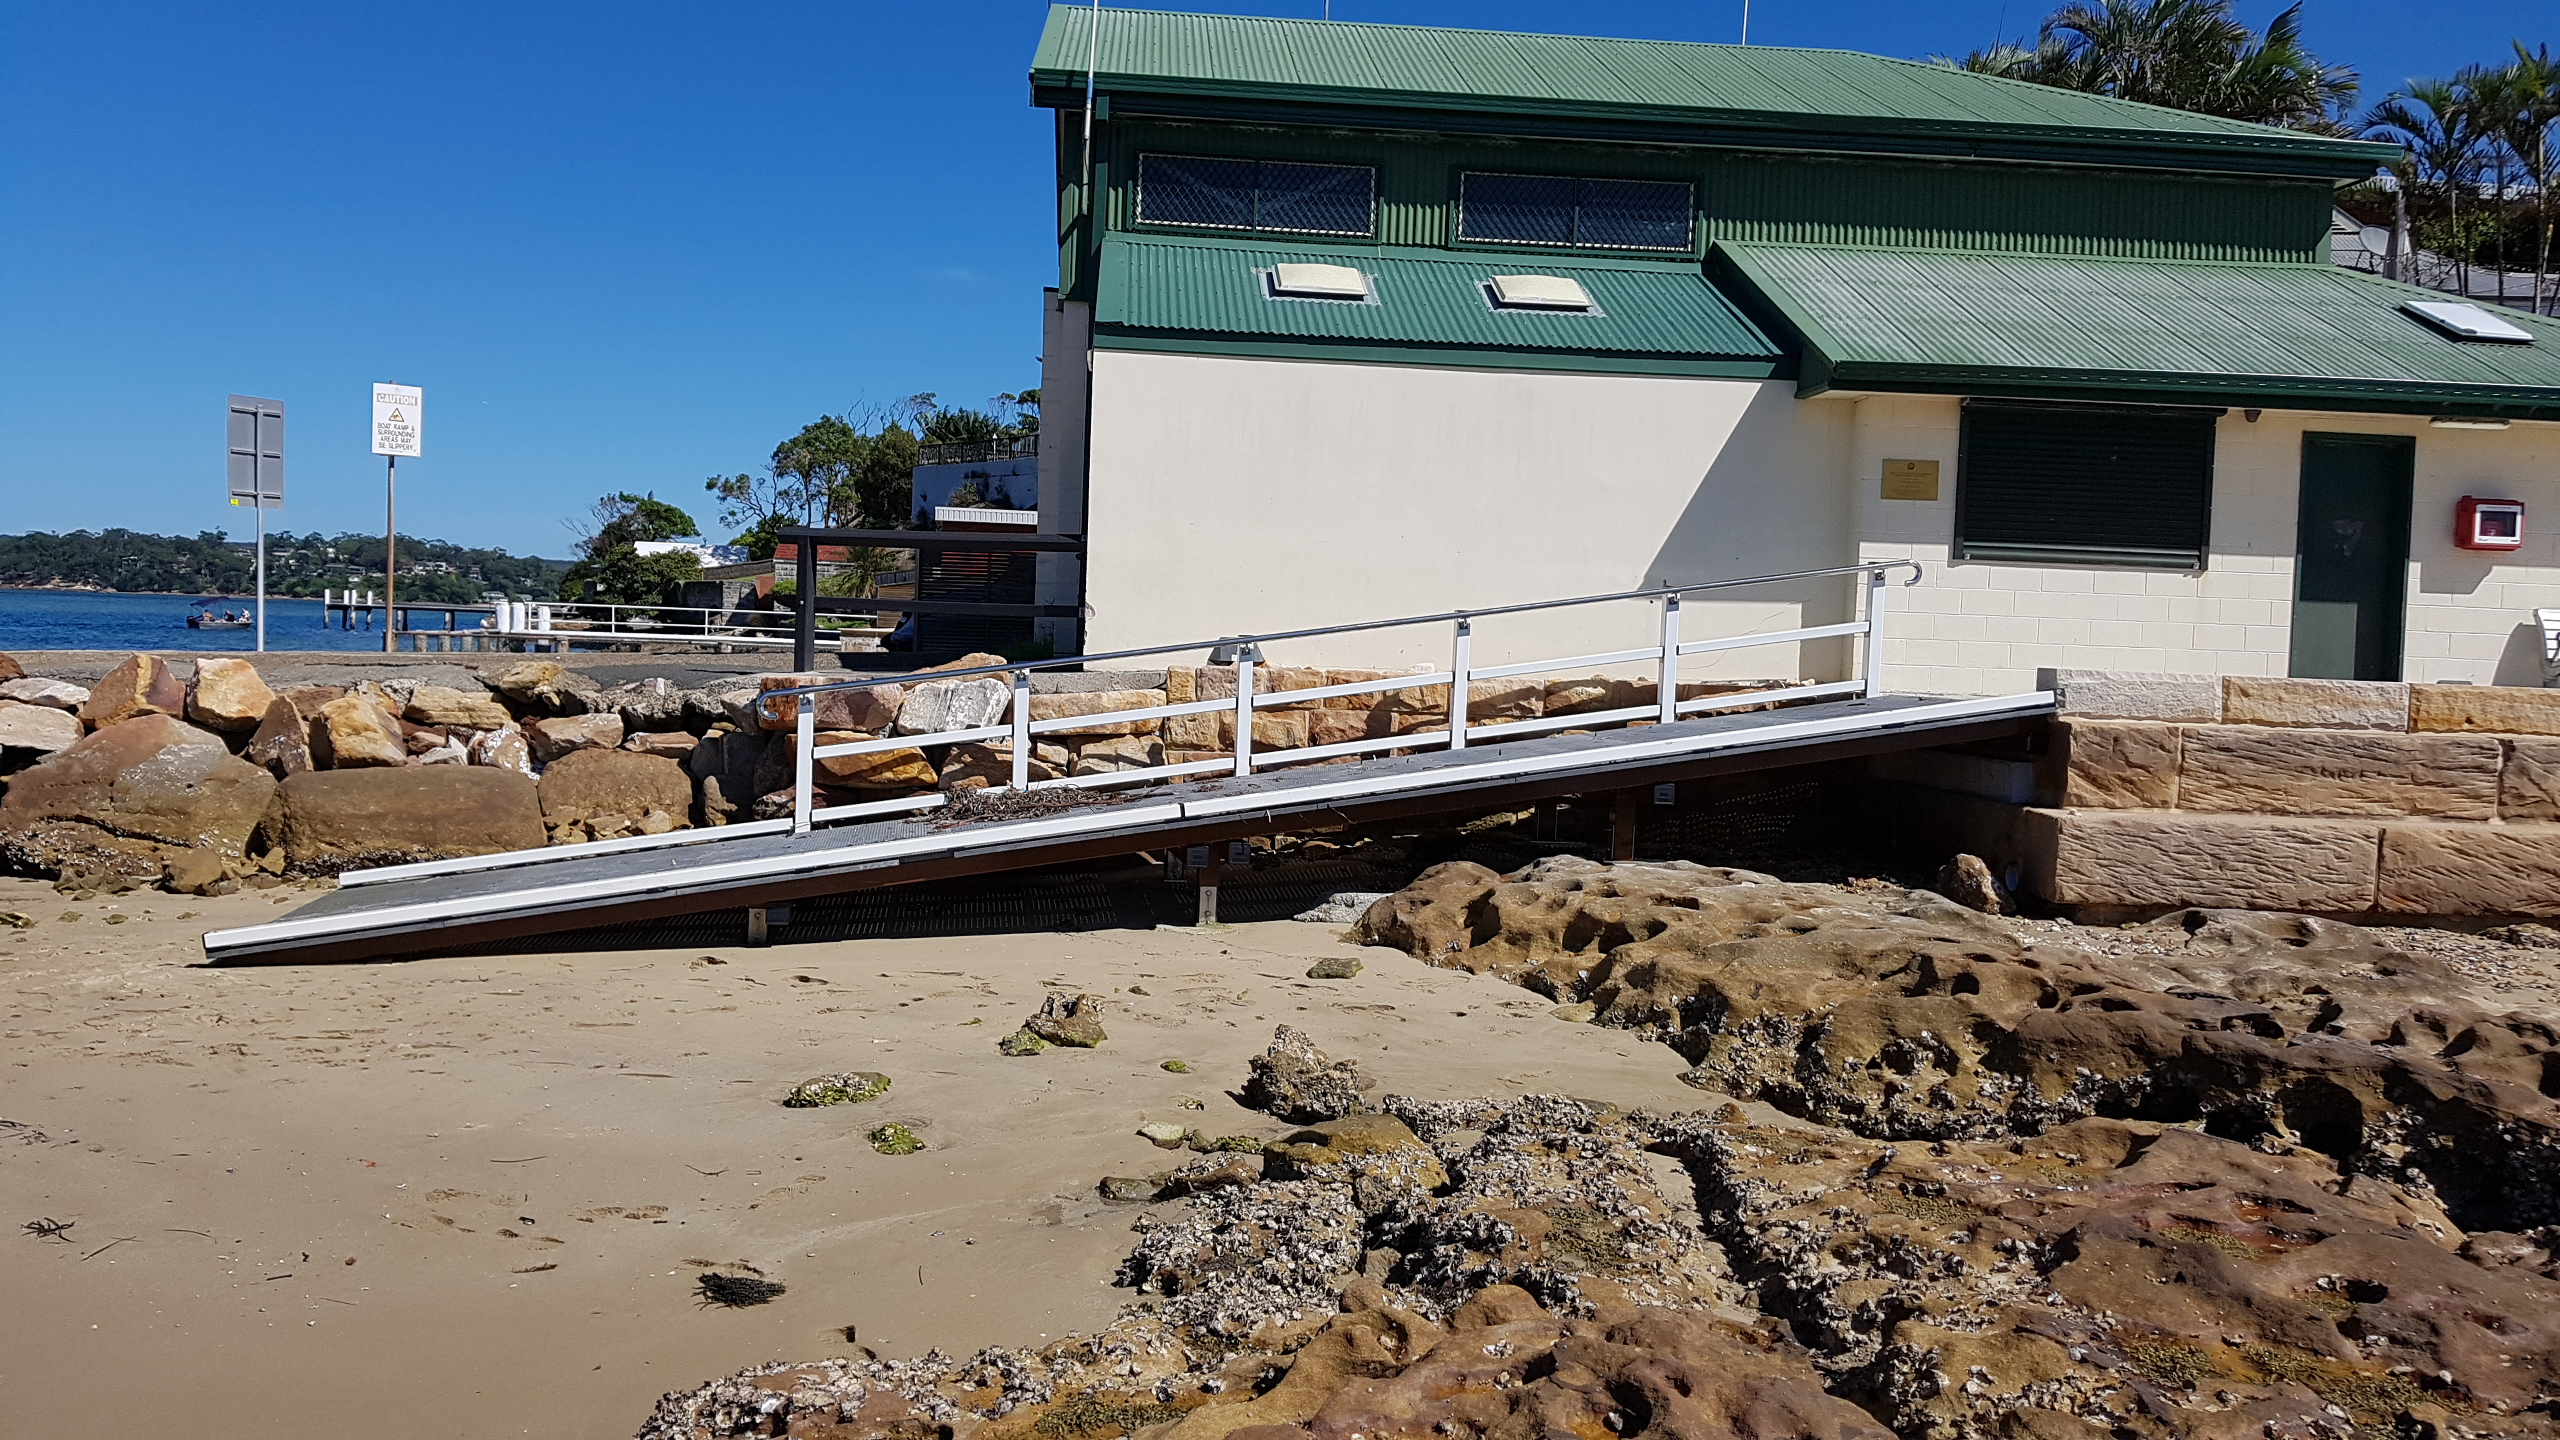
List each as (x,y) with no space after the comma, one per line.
(2339,797)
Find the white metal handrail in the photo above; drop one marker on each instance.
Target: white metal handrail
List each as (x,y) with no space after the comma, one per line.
(566,620)
(1456,733)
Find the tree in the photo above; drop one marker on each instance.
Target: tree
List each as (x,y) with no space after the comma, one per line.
(962,426)
(2435,121)
(2526,120)
(610,566)
(2184,54)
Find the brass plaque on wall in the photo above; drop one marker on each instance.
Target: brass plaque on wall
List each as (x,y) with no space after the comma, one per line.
(1911,479)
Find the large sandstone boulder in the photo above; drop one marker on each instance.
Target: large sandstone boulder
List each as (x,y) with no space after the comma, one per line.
(504,748)
(976,766)
(1098,702)
(37,729)
(954,705)
(328,821)
(10,669)
(565,734)
(652,704)
(544,687)
(903,769)
(152,778)
(872,708)
(282,741)
(36,690)
(141,685)
(590,783)
(229,695)
(442,705)
(358,730)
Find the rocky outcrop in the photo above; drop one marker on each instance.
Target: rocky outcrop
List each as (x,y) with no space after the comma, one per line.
(228,695)
(151,782)
(1899,1015)
(334,820)
(2283,1242)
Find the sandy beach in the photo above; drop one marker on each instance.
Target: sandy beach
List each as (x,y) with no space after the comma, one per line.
(469,1197)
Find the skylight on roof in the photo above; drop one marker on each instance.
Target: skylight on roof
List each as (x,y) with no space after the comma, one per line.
(1305,281)
(2467,322)
(1540,292)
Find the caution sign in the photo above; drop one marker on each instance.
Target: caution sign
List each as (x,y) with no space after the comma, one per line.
(399,420)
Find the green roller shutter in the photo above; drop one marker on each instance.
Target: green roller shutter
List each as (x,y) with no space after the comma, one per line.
(2084,485)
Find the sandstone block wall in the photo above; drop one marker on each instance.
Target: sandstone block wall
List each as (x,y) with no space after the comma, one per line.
(2321,795)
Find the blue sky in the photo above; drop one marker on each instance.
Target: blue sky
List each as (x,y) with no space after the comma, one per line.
(623,246)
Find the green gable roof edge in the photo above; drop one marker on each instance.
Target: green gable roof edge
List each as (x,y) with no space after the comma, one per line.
(1798,93)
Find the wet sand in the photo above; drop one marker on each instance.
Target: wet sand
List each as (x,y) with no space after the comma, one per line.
(527,1158)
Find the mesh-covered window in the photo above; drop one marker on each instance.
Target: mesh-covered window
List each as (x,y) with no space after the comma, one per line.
(2084,485)
(1256,195)
(1561,210)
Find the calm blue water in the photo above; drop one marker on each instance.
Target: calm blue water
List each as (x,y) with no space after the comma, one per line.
(82,620)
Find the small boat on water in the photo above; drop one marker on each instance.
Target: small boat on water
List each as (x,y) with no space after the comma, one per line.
(207,614)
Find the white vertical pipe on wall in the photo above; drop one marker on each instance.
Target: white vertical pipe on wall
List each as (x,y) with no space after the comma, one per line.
(1244,710)
(1875,635)
(1460,661)
(1667,696)
(1021,730)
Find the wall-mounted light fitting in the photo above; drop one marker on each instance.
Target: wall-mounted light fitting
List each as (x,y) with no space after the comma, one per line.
(2467,422)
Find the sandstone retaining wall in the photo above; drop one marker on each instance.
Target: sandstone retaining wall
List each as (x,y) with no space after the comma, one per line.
(2346,797)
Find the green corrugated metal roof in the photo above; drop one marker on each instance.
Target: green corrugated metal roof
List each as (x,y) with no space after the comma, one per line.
(1426,299)
(1751,86)
(2300,335)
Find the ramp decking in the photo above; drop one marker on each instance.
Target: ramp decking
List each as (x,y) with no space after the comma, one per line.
(529,894)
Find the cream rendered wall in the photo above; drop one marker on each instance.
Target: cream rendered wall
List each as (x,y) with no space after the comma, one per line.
(1985,629)
(1239,496)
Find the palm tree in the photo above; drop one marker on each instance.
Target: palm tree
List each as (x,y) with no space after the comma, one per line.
(2533,134)
(2184,54)
(2436,122)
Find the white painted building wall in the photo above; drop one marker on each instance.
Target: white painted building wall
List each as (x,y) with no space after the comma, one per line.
(1978,628)
(1242,496)
(1239,496)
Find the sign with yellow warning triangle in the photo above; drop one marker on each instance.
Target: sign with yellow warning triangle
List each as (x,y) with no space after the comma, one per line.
(399,420)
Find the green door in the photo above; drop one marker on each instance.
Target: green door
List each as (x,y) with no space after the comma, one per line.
(2351,556)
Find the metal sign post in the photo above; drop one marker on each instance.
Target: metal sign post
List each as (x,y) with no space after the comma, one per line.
(399,428)
(255,440)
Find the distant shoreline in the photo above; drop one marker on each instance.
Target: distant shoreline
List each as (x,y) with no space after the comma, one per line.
(67,589)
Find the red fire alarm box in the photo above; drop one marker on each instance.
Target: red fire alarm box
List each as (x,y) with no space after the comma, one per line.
(2488,524)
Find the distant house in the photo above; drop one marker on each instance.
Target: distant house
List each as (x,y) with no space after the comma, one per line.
(1355,320)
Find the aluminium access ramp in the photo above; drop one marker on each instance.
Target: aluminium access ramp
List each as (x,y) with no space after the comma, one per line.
(1675,728)
(437,910)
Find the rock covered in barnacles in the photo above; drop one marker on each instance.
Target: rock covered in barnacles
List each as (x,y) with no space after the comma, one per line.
(1297,1082)
(1065,1019)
